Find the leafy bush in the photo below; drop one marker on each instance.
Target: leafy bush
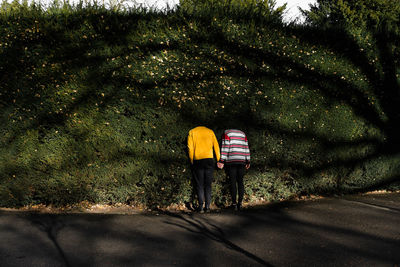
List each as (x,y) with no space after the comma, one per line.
(96,104)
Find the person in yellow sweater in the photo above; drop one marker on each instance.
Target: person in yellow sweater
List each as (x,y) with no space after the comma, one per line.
(201,144)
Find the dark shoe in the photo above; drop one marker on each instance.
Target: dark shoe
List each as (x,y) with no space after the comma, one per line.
(234,207)
(200,209)
(239,206)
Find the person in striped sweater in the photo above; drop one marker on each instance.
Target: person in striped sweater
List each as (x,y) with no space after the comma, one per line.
(235,157)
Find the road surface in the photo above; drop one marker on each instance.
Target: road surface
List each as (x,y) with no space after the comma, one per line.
(346,231)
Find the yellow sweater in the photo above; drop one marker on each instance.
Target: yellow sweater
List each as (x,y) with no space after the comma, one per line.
(201,142)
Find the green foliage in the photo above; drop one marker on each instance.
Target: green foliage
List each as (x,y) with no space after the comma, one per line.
(258,10)
(96,104)
(271,186)
(366,14)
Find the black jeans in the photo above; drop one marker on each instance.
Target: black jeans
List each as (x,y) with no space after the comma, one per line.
(203,175)
(235,173)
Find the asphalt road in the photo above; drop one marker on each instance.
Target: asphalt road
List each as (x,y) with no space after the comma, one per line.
(346,231)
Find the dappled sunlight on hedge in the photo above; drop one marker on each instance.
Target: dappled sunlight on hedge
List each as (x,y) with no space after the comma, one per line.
(96,105)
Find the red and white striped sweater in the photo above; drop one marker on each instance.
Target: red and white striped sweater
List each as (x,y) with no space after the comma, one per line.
(235,147)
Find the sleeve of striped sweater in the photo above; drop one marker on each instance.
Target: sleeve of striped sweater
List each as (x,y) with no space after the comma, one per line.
(247,151)
(225,147)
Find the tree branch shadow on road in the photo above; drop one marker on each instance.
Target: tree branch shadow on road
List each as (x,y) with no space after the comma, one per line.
(51,225)
(311,235)
(211,231)
(334,235)
(312,239)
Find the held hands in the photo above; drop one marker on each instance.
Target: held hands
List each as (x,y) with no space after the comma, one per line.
(220,165)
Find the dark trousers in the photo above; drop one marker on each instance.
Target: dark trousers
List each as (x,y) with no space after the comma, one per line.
(203,175)
(235,173)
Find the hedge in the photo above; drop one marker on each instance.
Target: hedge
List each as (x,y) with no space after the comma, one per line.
(96,104)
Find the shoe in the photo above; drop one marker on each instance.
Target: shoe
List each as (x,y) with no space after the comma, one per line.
(208,210)
(200,209)
(239,206)
(234,207)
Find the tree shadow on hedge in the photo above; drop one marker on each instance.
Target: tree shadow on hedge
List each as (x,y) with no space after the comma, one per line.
(332,87)
(94,72)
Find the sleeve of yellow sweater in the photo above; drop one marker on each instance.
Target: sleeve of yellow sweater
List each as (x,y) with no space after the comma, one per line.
(216,147)
(190,146)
